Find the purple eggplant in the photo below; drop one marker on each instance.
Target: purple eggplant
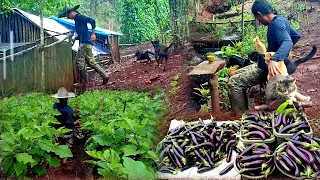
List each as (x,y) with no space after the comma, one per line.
(296,135)
(204,169)
(317,156)
(293,156)
(253,163)
(268,163)
(178,163)
(277,121)
(244,152)
(300,127)
(245,170)
(227,169)
(171,158)
(194,139)
(298,152)
(285,159)
(262,135)
(205,162)
(179,156)
(261,151)
(204,152)
(283,120)
(304,144)
(230,143)
(284,166)
(168,170)
(260,129)
(229,155)
(307,154)
(315,166)
(290,126)
(254,157)
(198,135)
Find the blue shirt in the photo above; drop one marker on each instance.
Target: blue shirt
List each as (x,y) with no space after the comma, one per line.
(66,117)
(281,38)
(82,30)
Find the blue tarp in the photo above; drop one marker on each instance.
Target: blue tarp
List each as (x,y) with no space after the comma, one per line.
(70,25)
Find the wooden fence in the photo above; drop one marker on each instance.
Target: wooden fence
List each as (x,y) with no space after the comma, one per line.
(24,73)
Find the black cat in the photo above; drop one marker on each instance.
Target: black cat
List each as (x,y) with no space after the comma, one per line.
(143,55)
(161,52)
(236,60)
(290,64)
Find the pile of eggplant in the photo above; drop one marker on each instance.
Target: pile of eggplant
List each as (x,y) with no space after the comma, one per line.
(290,123)
(256,126)
(202,145)
(299,156)
(255,160)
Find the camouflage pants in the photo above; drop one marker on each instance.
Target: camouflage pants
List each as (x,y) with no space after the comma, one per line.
(245,78)
(84,55)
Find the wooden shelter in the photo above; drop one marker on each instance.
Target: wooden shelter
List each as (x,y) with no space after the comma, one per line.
(21,66)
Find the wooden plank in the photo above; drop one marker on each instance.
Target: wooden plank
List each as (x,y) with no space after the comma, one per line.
(233,22)
(115,50)
(207,68)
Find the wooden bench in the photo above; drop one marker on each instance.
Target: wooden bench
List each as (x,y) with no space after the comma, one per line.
(211,69)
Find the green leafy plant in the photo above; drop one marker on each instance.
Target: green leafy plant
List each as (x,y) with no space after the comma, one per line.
(27,137)
(174,84)
(224,88)
(122,138)
(204,92)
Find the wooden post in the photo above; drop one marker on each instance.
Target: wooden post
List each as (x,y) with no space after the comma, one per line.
(242,19)
(114,47)
(215,99)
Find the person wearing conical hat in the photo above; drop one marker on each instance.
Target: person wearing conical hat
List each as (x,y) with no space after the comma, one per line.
(66,117)
(86,39)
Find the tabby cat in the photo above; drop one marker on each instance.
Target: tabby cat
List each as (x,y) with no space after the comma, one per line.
(283,88)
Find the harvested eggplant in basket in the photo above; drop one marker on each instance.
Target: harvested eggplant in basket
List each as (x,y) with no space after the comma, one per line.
(299,156)
(256,126)
(255,160)
(291,122)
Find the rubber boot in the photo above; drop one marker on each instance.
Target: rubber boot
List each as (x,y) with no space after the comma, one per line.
(82,81)
(239,101)
(101,72)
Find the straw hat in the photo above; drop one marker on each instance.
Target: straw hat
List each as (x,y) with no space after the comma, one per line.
(67,10)
(63,93)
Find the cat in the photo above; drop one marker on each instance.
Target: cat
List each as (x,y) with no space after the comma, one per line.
(143,55)
(161,52)
(284,88)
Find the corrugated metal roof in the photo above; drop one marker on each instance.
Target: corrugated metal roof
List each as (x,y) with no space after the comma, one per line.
(70,23)
(48,24)
(51,26)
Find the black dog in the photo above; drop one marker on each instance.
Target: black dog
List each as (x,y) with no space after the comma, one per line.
(143,55)
(161,52)
(290,64)
(236,60)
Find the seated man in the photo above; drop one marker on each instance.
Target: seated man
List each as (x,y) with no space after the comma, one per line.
(281,37)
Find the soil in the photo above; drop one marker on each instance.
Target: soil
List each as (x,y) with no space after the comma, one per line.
(142,76)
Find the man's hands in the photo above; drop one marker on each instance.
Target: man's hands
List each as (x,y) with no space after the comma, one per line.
(77,123)
(93,37)
(273,68)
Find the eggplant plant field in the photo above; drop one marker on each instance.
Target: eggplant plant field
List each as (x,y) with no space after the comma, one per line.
(121,137)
